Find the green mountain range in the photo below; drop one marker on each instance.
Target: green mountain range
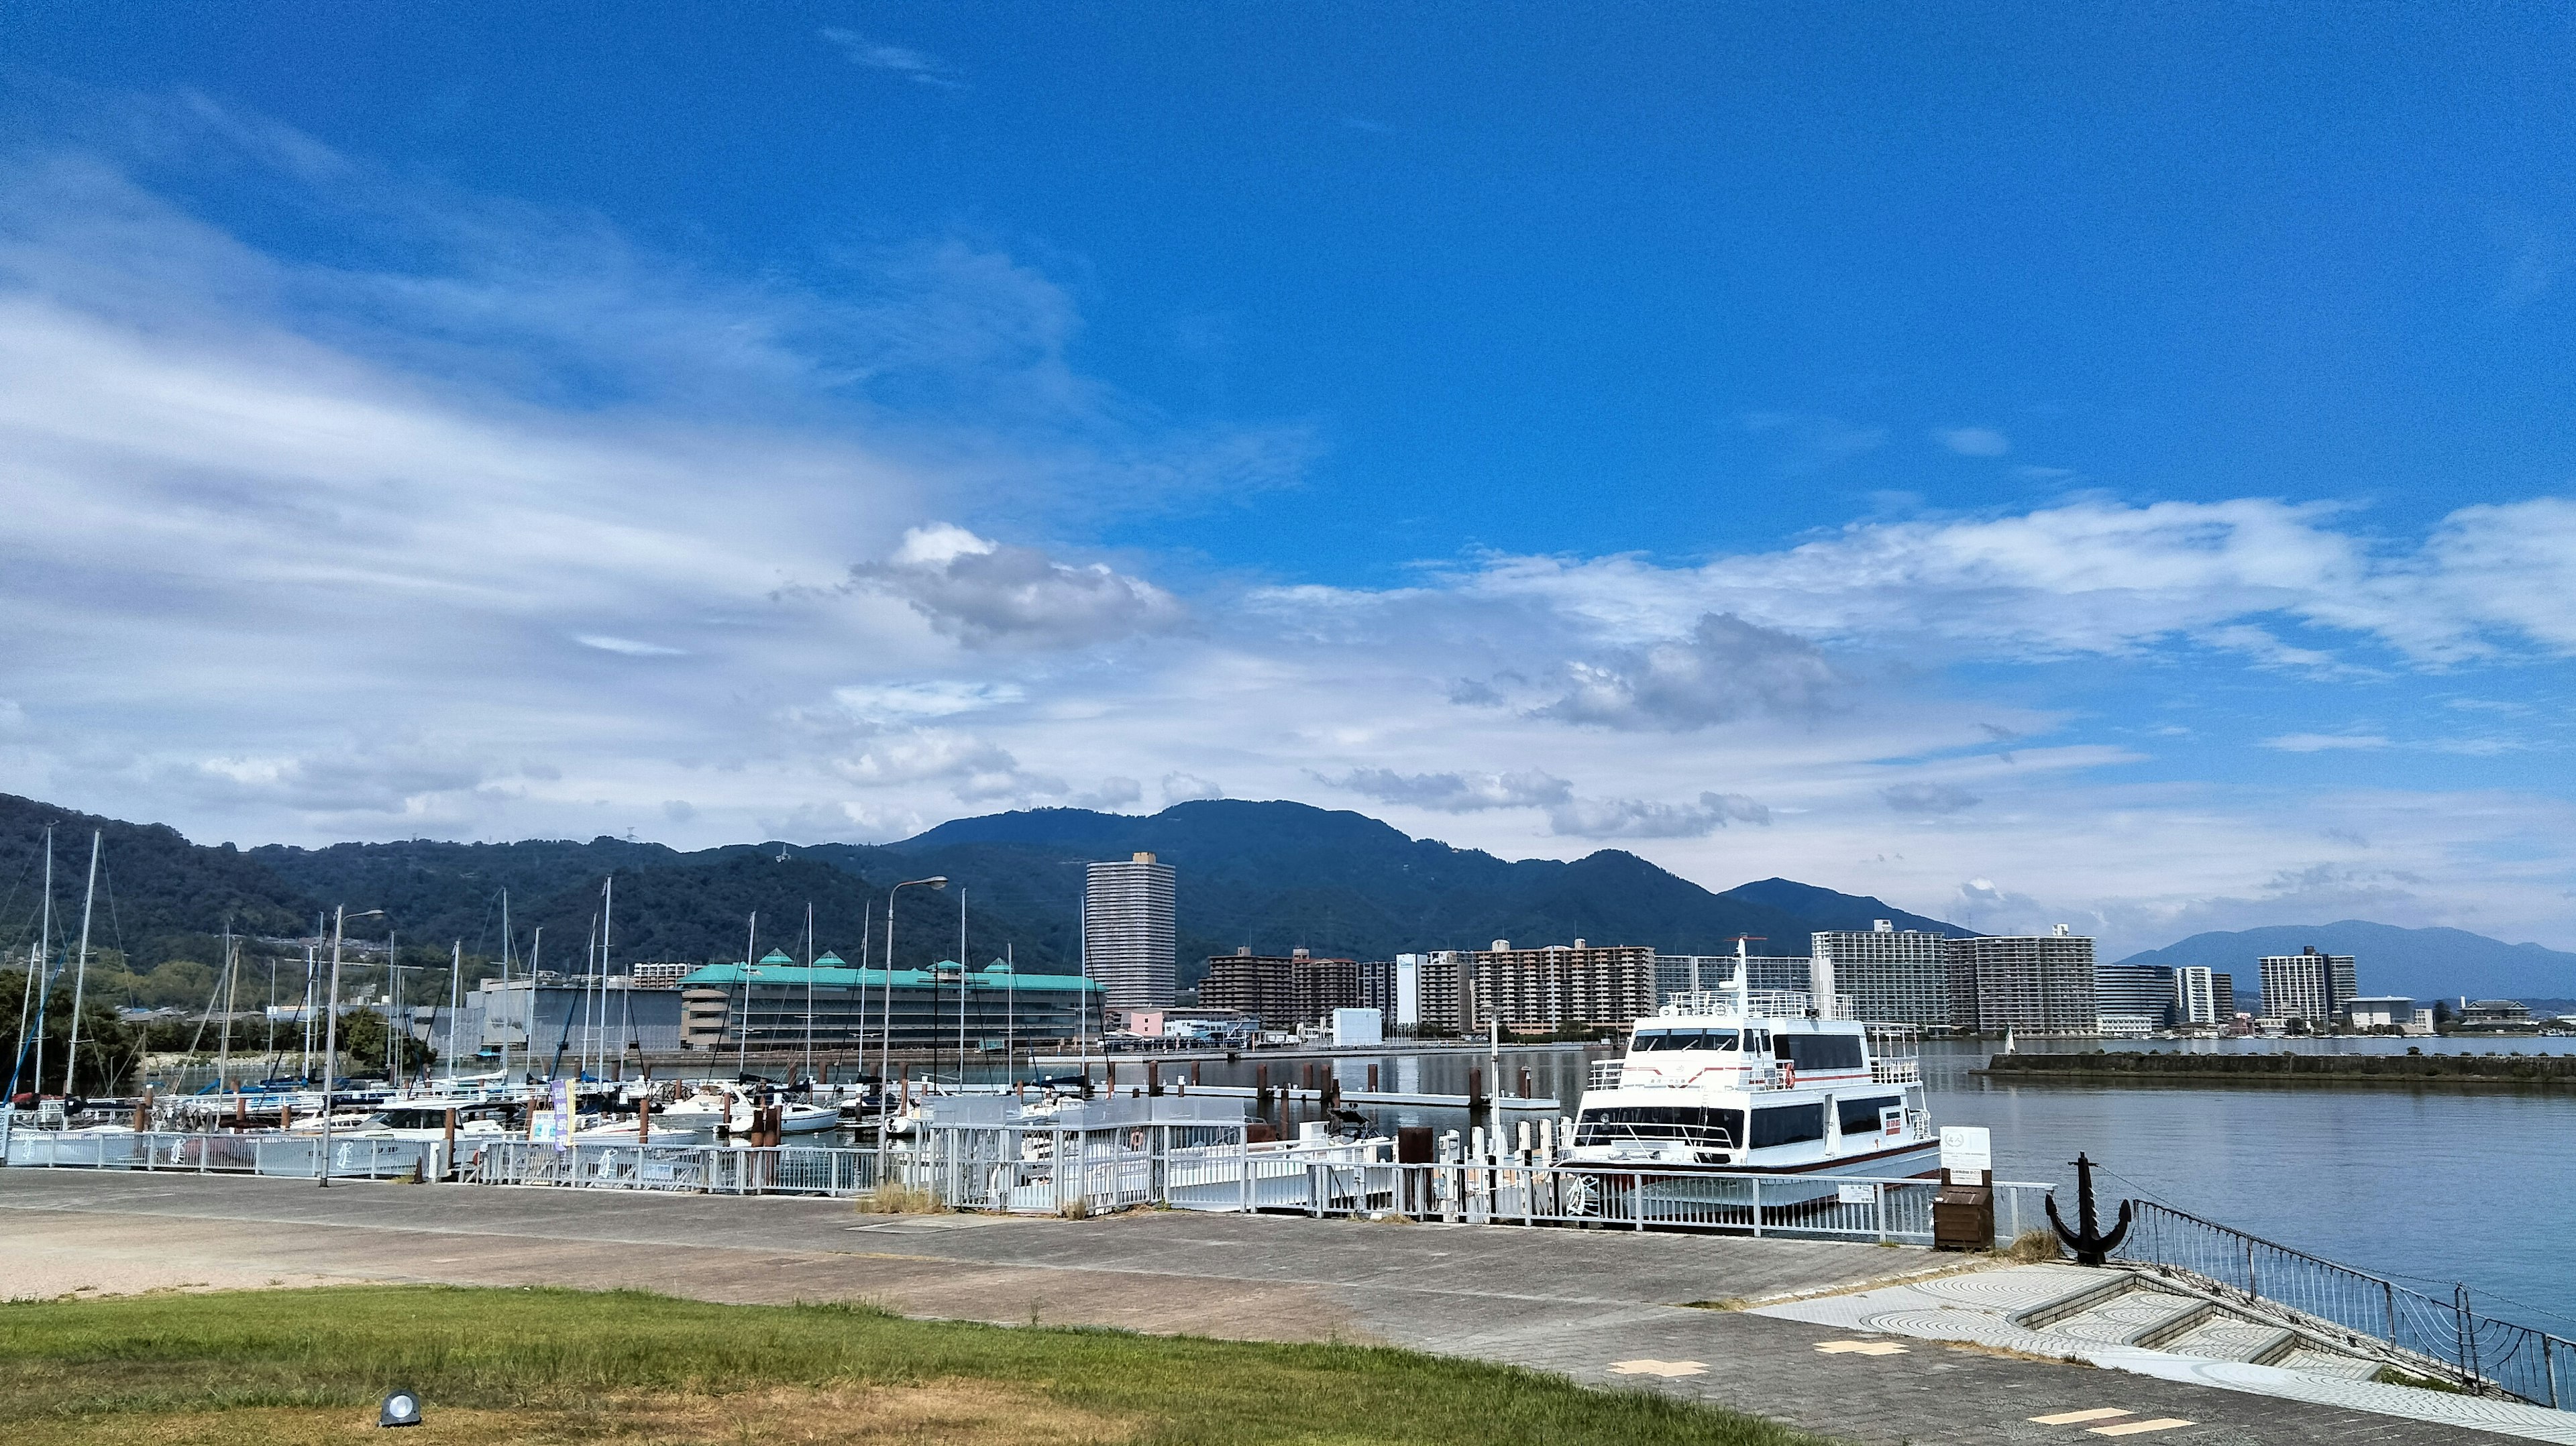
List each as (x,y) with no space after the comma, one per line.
(1271,876)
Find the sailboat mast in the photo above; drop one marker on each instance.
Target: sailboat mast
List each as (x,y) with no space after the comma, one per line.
(80,977)
(36,967)
(455,972)
(809,991)
(232,984)
(503,998)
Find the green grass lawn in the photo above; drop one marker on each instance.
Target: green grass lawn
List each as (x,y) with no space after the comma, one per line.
(627,1367)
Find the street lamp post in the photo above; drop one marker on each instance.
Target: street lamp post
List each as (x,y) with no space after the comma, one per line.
(340,918)
(885,1042)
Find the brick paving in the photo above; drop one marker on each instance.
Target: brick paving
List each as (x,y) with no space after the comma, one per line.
(1576,1303)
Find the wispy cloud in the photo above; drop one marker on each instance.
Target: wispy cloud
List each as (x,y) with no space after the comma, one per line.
(1973,441)
(917,66)
(2325,742)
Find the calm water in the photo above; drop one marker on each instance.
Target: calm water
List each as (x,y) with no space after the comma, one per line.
(2441,1185)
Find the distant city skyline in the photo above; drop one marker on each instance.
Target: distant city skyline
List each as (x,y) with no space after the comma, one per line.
(2025,466)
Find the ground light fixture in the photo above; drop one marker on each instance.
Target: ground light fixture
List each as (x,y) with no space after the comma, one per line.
(402,1408)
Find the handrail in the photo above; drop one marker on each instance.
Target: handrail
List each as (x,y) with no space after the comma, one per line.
(2483,1353)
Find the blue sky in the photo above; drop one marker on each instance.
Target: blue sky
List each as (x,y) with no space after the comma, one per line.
(2107,464)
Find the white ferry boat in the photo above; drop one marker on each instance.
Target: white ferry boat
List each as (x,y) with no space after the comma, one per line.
(1745,1082)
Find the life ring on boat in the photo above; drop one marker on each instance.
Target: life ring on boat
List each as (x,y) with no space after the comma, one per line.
(1136,1139)
(1788,1074)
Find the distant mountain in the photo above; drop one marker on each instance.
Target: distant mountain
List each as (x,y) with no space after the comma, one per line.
(2423,963)
(1272,876)
(1275,876)
(1828,910)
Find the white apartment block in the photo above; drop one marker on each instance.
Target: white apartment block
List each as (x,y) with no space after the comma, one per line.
(1891,976)
(2195,995)
(1127,938)
(2307,985)
(1554,987)
(2033,984)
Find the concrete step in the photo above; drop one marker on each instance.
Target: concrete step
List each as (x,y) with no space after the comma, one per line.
(2123,1318)
(2224,1337)
(2307,1359)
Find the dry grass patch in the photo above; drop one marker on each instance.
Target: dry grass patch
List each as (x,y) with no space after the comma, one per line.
(939,1413)
(894,1199)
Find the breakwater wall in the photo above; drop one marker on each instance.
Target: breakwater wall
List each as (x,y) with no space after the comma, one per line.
(2481,1071)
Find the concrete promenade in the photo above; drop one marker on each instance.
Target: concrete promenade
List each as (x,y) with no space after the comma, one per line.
(1605,1308)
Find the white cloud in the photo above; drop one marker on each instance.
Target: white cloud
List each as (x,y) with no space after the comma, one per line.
(1613,818)
(934,698)
(1181,787)
(627,646)
(1974,441)
(1456,792)
(986,595)
(917,66)
(1931,798)
(2324,742)
(1724,669)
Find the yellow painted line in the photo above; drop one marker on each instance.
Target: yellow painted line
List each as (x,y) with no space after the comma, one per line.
(2069,1418)
(2132,1428)
(1648,1366)
(1859,1348)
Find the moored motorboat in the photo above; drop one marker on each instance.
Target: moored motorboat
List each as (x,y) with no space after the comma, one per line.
(1741,1083)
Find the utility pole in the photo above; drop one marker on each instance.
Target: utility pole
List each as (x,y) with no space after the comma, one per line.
(961,986)
(742,1026)
(887,1054)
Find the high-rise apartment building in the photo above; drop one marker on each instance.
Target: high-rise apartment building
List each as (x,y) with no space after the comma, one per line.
(1282,991)
(2134,992)
(2224,987)
(1891,976)
(1127,942)
(2195,997)
(2036,984)
(1415,994)
(1556,987)
(1709,973)
(2307,985)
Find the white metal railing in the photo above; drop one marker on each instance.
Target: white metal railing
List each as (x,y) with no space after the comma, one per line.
(298,1156)
(1895,1071)
(1605,1074)
(706,1169)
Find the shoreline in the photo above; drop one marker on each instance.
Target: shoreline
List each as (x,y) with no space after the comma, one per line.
(2533,1073)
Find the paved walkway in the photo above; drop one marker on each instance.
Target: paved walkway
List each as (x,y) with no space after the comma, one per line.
(1605,1308)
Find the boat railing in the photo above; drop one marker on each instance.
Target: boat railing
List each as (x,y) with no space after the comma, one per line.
(1605,1074)
(1895,1071)
(1765,1003)
(1712,1137)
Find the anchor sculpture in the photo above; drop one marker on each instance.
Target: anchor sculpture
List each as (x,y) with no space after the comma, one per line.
(2089,1243)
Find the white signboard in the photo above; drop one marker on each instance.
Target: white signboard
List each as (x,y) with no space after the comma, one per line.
(1861,1193)
(1967,1152)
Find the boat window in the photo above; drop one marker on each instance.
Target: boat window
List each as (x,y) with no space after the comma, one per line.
(1819,1051)
(1717,1128)
(1788,1125)
(1860,1117)
(1685,1039)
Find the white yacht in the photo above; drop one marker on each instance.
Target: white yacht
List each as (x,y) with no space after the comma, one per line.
(1744,1082)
